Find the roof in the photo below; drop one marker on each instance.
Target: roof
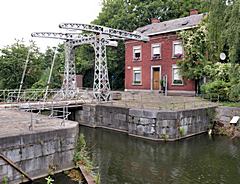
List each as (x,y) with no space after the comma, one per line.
(171,25)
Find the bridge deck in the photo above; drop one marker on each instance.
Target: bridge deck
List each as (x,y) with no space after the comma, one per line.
(42,105)
(14,122)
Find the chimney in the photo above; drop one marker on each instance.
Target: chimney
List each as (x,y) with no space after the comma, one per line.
(193,12)
(155,20)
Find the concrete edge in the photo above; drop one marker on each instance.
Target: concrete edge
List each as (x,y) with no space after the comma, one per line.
(145,138)
(88,177)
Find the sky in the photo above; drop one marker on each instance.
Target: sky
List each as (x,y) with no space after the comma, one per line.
(19,18)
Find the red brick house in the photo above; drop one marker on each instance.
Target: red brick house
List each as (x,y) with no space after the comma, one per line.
(147,65)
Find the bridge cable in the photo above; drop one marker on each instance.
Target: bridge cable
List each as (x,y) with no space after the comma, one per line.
(50,74)
(23,74)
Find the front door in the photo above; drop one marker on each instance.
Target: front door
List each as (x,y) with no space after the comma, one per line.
(156,78)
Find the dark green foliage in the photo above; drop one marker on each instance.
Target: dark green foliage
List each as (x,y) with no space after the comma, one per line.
(224,36)
(47,58)
(194,43)
(217,90)
(203,48)
(215,26)
(234,94)
(232,33)
(12,62)
(129,15)
(81,155)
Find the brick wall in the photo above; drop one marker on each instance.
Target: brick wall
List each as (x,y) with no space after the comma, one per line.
(166,62)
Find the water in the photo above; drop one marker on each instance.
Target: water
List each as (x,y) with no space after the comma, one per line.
(123,159)
(59,178)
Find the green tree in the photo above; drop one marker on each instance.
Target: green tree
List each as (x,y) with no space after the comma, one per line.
(129,15)
(195,49)
(12,61)
(85,64)
(215,26)
(224,36)
(45,65)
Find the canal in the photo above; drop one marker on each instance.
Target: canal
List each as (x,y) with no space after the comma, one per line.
(122,159)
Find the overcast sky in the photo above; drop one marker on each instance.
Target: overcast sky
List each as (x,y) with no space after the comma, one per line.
(19,18)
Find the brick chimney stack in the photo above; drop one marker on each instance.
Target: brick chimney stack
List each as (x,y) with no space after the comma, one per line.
(193,12)
(155,20)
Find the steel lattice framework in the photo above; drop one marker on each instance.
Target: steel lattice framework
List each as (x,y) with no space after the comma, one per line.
(99,38)
(69,87)
(101,86)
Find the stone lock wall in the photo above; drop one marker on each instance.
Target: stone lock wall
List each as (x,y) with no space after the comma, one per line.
(225,114)
(150,124)
(115,118)
(37,154)
(87,116)
(168,125)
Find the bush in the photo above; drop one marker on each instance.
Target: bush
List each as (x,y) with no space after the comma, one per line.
(216,91)
(234,94)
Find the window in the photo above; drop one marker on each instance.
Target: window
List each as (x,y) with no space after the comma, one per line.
(137,53)
(177,49)
(137,75)
(156,51)
(176,76)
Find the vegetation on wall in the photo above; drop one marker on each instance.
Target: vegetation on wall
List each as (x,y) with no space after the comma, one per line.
(194,42)
(203,46)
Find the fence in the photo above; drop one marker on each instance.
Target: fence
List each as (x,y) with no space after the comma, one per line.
(41,95)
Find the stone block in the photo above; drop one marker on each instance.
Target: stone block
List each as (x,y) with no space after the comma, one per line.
(143,113)
(136,120)
(3,170)
(121,117)
(86,108)
(12,142)
(165,123)
(64,144)
(149,130)
(136,112)
(150,114)
(13,154)
(140,129)
(225,119)
(28,152)
(146,121)
(166,115)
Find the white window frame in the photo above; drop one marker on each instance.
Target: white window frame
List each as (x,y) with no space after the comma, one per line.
(139,69)
(139,47)
(173,49)
(160,50)
(175,67)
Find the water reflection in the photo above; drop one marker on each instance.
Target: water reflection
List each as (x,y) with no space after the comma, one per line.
(125,159)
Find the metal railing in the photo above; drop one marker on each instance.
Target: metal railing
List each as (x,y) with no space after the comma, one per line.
(40,95)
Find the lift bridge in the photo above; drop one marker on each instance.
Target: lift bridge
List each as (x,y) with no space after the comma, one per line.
(99,37)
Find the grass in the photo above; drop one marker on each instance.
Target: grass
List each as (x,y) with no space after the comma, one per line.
(81,157)
(5,180)
(231,104)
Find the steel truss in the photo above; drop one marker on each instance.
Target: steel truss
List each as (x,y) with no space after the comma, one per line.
(69,85)
(99,38)
(101,85)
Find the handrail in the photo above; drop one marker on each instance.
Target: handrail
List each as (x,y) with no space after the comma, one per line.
(15,167)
